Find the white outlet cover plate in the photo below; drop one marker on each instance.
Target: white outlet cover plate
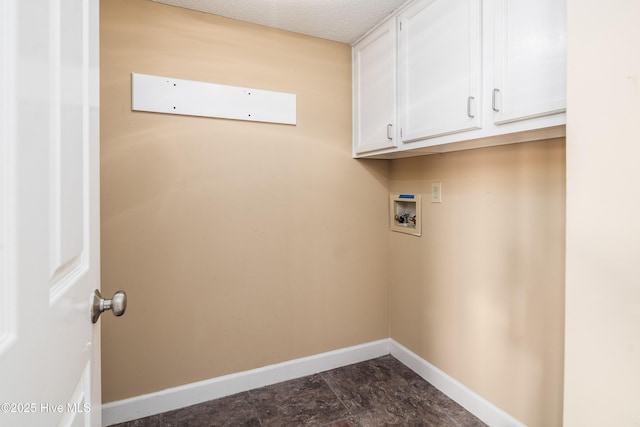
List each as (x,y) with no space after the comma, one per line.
(436,192)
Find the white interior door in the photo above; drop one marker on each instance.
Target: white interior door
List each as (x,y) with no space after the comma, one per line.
(49,212)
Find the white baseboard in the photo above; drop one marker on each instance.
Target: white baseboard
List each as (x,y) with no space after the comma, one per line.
(471,401)
(202,391)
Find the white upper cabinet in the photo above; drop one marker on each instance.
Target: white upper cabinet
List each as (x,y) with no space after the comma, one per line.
(440,68)
(374,90)
(529,60)
(470,74)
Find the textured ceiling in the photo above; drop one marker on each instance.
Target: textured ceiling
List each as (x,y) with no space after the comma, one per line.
(340,20)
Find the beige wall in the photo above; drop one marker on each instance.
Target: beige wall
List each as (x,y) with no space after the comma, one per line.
(239,244)
(244,244)
(602,364)
(481,293)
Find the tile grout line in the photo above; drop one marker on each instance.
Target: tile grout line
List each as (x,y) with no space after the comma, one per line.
(322,376)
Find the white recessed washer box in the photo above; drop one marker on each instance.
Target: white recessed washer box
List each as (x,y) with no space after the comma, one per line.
(405,213)
(167,95)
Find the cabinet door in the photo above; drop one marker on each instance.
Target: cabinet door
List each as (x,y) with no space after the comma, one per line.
(530,59)
(374,90)
(440,68)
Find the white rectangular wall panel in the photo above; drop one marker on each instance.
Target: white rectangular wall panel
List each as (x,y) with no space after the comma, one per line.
(186,97)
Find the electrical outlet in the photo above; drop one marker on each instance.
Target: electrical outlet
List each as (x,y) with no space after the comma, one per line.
(436,192)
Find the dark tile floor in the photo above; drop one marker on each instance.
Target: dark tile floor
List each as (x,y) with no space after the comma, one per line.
(378,392)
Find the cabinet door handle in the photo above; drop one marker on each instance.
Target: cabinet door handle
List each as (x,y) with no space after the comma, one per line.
(471,98)
(493,100)
(389,126)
